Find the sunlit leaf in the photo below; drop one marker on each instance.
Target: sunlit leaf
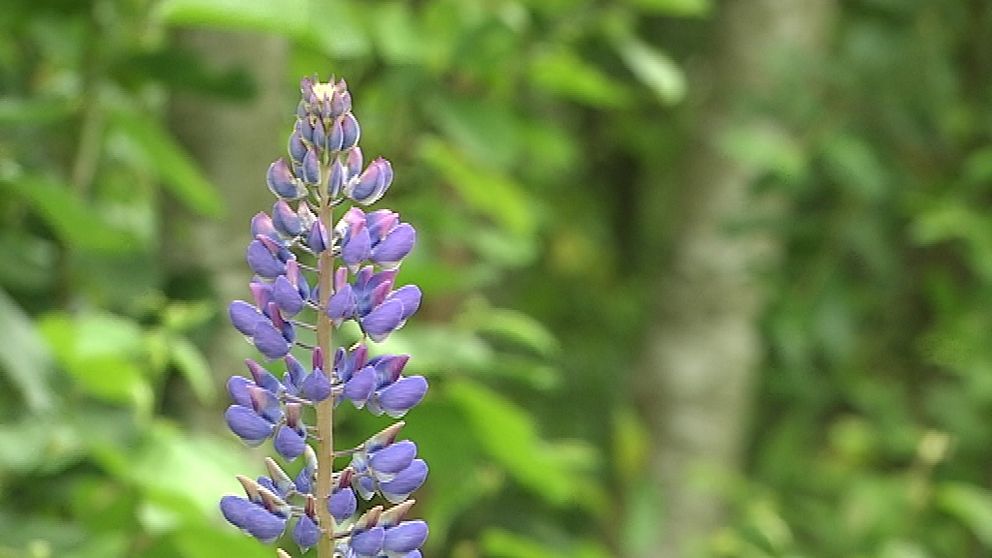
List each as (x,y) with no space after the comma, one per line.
(654,69)
(694,8)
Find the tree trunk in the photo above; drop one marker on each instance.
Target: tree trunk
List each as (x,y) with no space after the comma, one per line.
(704,344)
(234,142)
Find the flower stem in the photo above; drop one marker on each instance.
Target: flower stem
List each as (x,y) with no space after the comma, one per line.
(325,409)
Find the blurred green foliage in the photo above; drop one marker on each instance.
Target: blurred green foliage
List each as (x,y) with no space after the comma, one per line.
(537,146)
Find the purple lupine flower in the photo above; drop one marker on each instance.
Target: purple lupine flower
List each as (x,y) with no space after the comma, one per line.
(292,254)
(404,538)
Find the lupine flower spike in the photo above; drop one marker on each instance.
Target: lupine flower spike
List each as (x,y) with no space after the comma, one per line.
(293,254)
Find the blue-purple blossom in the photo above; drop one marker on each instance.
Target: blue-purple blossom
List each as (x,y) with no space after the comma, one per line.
(292,250)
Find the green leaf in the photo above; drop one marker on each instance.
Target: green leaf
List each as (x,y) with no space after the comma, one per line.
(397,36)
(489,192)
(564,73)
(693,8)
(654,69)
(509,435)
(511,325)
(102,353)
(972,505)
(24,356)
(286,17)
(194,367)
(500,543)
(34,110)
(74,221)
(170,162)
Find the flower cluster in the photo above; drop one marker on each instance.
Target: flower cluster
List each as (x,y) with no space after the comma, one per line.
(292,254)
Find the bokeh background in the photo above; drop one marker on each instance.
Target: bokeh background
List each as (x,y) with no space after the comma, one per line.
(702,277)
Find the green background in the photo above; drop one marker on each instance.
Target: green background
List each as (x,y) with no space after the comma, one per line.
(545,151)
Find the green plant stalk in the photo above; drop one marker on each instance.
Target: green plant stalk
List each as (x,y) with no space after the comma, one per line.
(325,410)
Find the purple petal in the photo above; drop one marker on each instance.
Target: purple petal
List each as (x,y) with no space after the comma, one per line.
(263,378)
(405,482)
(297,150)
(306,533)
(316,387)
(237,387)
(341,306)
(335,136)
(371,184)
(244,316)
(261,224)
(295,373)
(269,341)
(304,481)
(410,296)
(357,248)
(400,397)
(262,261)
(311,167)
(286,296)
(285,220)
(393,458)
(288,443)
(367,544)
(389,367)
(235,510)
(350,131)
(381,321)
(282,183)
(381,222)
(317,238)
(265,404)
(336,180)
(397,244)
(342,504)
(405,537)
(264,525)
(360,387)
(246,423)
(354,162)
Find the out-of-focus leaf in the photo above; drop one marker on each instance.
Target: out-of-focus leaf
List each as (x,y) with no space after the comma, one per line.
(766,149)
(487,131)
(33,111)
(327,25)
(194,367)
(162,468)
(492,194)
(200,540)
(101,352)
(24,356)
(183,70)
(970,504)
(170,161)
(499,543)
(286,17)
(695,8)
(510,436)
(512,325)
(35,259)
(71,219)
(397,36)
(654,69)
(564,73)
